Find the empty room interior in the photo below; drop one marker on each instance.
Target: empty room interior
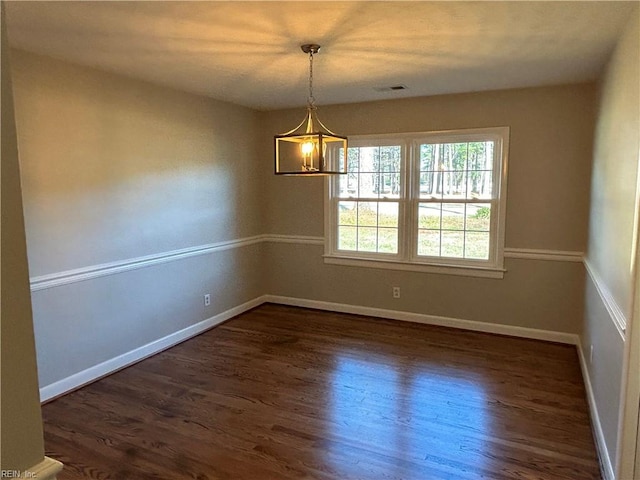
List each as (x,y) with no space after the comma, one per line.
(406,250)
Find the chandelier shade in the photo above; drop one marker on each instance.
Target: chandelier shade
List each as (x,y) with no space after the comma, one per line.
(310,148)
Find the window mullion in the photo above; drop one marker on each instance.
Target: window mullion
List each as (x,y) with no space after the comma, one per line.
(333,216)
(407,230)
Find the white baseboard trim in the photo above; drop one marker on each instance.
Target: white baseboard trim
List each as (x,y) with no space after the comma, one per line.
(47,469)
(606,467)
(91,374)
(514,331)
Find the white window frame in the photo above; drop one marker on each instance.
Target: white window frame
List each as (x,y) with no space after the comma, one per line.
(407,257)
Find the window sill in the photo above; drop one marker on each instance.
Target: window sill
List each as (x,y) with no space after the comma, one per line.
(461,270)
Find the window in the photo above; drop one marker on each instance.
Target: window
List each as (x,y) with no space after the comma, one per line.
(421,201)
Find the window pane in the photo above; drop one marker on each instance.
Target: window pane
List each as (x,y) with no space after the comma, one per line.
(456,156)
(368,185)
(477,245)
(348,186)
(347,238)
(454,184)
(480,184)
(453,216)
(428,159)
(429,243)
(369,158)
(372,172)
(429,215)
(367,214)
(452,244)
(388,214)
(479,217)
(389,160)
(347,213)
(453,156)
(430,184)
(353,160)
(458,223)
(480,156)
(388,240)
(456,170)
(367,239)
(389,185)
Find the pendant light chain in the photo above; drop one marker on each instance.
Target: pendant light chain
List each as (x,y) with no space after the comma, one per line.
(312,99)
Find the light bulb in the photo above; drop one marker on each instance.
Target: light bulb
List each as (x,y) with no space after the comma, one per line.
(307,148)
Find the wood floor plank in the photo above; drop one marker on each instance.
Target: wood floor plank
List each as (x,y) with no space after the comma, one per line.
(290,393)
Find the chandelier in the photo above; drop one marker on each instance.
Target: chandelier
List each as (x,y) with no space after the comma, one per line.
(310,148)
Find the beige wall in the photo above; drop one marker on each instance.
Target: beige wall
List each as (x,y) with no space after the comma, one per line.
(547,208)
(615,164)
(21,443)
(116,169)
(550,148)
(613,203)
(534,294)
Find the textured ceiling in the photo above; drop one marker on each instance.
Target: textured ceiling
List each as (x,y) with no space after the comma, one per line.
(248,52)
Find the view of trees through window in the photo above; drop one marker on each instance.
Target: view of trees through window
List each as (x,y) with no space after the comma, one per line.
(370,223)
(451,199)
(454,206)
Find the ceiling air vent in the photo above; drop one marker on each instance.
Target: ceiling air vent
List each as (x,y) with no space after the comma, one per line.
(392,88)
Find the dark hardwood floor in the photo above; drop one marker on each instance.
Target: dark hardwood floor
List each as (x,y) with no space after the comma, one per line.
(290,393)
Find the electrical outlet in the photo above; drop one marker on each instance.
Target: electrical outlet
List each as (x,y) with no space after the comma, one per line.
(207,300)
(591,354)
(396,292)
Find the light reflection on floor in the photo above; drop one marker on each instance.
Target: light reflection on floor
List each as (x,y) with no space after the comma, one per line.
(378,406)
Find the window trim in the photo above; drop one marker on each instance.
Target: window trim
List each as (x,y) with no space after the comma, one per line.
(407,258)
